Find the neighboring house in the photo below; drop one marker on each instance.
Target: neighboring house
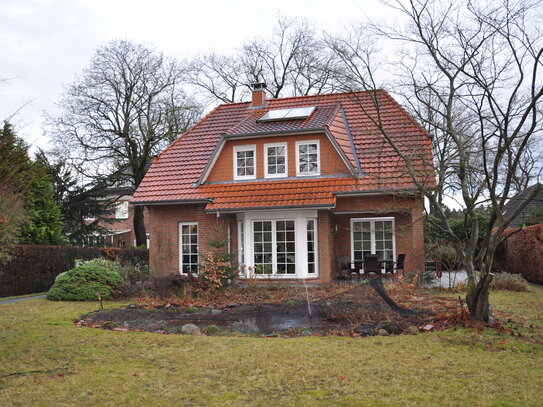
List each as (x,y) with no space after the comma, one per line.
(118,231)
(293,184)
(534,206)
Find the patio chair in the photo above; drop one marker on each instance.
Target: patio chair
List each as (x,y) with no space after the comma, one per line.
(393,267)
(371,264)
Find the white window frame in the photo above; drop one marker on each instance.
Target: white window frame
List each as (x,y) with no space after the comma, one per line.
(180,237)
(301,143)
(372,220)
(316,247)
(268,175)
(251,147)
(241,243)
(274,272)
(122,210)
(300,217)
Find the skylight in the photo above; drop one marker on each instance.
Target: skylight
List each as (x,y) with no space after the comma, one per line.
(287,114)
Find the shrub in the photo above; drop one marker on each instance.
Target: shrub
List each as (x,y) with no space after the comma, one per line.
(212,330)
(215,271)
(509,282)
(83,282)
(500,282)
(446,254)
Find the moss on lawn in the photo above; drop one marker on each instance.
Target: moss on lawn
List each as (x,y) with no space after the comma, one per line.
(109,368)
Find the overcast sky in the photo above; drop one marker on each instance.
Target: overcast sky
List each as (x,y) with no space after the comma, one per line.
(45,43)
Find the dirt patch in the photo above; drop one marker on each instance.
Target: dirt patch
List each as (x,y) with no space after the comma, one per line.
(339,309)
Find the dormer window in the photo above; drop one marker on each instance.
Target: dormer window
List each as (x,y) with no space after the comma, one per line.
(275,160)
(244,162)
(308,158)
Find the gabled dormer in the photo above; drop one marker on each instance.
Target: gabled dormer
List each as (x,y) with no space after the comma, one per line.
(286,142)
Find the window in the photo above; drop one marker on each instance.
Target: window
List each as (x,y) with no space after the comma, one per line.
(307,158)
(263,247)
(372,236)
(276,160)
(274,247)
(287,114)
(244,162)
(121,210)
(311,247)
(188,253)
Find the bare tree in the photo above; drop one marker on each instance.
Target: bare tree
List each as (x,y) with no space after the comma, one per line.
(217,78)
(471,72)
(292,61)
(120,113)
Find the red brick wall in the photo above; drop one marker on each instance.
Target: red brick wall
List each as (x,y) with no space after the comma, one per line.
(407,212)
(164,234)
(331,162)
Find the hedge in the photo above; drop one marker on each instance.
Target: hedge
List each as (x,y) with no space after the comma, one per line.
(522,253)
(33,268)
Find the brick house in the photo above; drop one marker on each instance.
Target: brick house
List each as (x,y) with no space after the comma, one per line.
(118,229)
(294,184)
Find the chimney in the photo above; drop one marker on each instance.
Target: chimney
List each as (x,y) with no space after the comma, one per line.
(259,95)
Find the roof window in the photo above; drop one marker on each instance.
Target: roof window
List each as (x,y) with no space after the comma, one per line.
(287,114)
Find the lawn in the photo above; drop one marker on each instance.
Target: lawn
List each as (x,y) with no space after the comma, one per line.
(94,367)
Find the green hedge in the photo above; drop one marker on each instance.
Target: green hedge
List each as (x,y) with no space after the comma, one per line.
(33,268)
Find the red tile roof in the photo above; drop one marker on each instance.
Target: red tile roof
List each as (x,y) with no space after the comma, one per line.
(174,173)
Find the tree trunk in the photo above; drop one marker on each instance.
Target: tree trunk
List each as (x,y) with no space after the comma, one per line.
(139,226)
(477,296)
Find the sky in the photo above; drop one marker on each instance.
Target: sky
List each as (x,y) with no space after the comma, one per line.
(44,44)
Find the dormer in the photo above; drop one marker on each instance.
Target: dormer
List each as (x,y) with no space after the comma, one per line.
(285,142)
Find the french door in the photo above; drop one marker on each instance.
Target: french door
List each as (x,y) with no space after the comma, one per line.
(274,247)
(372,236)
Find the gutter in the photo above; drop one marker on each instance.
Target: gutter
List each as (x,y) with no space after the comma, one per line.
(265,208)
(174,202)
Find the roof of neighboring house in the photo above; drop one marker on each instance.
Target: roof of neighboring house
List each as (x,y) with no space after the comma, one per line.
(513,204)
(348,119)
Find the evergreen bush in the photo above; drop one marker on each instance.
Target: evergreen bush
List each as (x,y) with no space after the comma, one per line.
(83,282)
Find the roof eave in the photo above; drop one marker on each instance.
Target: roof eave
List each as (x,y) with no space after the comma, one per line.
(171,202)
(266,208)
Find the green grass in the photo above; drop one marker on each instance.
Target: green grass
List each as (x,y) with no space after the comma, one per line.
(108,368)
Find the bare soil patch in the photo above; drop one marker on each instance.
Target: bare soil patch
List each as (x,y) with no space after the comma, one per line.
(342,308)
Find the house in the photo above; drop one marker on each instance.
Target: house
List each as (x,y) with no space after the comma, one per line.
(118,229)
(533,209)
(293,184)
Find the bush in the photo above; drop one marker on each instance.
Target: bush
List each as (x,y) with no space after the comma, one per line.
(509,282)
(83,282)
(500,282)
(447,256)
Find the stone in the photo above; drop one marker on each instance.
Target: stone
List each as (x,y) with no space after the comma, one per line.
(248,329)
(428,327)
(132,306)
(216,312)
(232,305)
(190,329)
(390,327)
(413,330)
(382,332)
(306,332)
